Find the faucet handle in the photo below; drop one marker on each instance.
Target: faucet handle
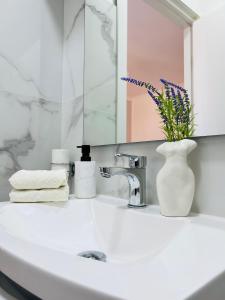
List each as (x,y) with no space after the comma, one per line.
(135,162)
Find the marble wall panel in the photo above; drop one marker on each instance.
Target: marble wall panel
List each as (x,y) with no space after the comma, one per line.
(100,72)
(73,70)
(30,85)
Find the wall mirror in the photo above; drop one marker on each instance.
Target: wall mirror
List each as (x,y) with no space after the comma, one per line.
(148,40)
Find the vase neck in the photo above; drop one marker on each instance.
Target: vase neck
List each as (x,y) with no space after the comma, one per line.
(177,149)
(175,157)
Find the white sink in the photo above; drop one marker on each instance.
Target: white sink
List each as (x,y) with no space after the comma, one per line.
(148,256)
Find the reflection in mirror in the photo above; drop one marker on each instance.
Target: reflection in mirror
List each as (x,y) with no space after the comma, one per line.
(155,50)
(100,72)
(149,45)
(149,40)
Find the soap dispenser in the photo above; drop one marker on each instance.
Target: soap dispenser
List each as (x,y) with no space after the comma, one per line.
(85,179)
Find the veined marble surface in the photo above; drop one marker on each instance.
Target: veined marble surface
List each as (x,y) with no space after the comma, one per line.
(73,69)
(30,107)
(100,72)
(27,135)
(99,113)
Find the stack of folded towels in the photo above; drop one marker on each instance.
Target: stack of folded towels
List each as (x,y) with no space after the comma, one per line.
(39,186)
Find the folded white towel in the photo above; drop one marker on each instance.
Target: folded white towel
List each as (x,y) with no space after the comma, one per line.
(41,179)
(45,195)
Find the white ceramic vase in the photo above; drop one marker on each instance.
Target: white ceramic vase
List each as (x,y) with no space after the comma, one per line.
(175,181)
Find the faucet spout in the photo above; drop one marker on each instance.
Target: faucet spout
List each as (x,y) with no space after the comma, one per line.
(137,189)
(108,172)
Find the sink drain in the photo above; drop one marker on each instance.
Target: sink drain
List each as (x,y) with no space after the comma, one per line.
(95,255)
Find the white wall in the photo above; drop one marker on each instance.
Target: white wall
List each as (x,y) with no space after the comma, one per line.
(208,72)
(202,7)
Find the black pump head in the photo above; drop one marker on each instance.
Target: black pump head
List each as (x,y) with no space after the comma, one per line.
(85,150)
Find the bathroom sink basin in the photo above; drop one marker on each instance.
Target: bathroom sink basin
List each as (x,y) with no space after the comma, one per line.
(147,256)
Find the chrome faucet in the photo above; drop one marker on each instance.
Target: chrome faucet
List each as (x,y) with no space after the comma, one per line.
(136,175)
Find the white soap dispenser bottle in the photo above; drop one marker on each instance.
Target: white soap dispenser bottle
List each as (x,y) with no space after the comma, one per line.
(85,175)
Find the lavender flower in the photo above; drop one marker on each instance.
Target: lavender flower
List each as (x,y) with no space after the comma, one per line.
(154,98)
(180,98)
(174,97)
(165,82)
(173,106)
(140,83)
(167,89)
(186,100)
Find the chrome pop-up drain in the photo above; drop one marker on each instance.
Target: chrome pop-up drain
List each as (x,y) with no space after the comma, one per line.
(95,255)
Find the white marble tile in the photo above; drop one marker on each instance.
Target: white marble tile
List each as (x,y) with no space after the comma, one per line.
(100,72)
(72,126)
(51,49)
(99,128)
(100,43)
(29,129)
(73,60)
(73,70)
(100,114)
(20,47)
(31,45)
(102,97)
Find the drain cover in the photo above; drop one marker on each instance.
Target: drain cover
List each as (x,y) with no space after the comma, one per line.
(95,255)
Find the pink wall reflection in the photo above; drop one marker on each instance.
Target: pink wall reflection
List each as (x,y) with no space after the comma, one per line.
(155,50)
